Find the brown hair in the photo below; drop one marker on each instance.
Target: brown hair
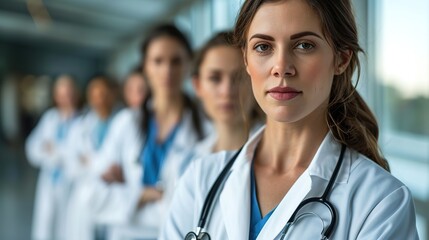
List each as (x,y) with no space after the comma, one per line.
(349,117)
(220,39)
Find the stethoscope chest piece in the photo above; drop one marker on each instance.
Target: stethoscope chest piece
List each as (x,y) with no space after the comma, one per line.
(201,236)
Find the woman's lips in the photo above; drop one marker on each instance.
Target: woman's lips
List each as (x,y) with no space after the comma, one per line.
(227,107)
(283,93)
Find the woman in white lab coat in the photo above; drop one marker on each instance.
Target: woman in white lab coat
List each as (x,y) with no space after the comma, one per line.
(47,148)
(320,140)
(224,92)
(134,94)
(123,135)
(88,138)
(169,126)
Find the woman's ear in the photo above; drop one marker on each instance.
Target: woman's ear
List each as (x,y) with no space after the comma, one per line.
(197,85)
(343,61)
(245,59)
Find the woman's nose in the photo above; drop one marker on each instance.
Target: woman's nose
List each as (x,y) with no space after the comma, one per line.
(227,87)
(283,66)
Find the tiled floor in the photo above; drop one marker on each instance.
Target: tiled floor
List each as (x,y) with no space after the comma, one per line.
(17,186)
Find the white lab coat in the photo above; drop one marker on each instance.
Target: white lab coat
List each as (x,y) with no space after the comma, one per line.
(371,203)
(51,196)
(84,198)
(144,223)
(122,147)
(206,146)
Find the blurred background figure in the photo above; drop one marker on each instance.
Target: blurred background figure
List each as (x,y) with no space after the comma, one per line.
(134,94)
(88,138)
(224,89)
(170,124)
(109,161)
(47,148)
(135,89)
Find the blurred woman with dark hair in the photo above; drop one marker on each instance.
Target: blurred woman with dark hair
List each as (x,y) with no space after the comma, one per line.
(170,124)
(88,138)
(47,148)
(223,87)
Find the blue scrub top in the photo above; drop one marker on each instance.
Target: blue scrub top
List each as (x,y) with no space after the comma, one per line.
(153,155)
(257,222)
(100,132)
(61,134)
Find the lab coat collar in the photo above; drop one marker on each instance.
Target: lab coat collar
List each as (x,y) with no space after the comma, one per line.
(235,197)
(326,158)
(186,133)
(322,165)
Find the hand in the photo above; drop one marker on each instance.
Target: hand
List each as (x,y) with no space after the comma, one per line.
(83,160)
(113,174)
(48,147)
(150,194)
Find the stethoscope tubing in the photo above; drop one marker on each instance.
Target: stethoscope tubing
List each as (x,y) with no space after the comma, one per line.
(214,189)
(208,202)
(322,199)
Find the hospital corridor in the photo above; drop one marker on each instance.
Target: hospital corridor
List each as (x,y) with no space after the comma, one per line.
(214,119)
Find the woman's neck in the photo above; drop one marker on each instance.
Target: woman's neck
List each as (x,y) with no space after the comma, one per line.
(104,113)
(291,146)
(67,113)
(168,106)
(167,112)
(230,136)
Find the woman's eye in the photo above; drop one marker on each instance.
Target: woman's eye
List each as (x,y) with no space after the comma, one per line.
(157,61)
(262,48)
(305,46)
(214,78)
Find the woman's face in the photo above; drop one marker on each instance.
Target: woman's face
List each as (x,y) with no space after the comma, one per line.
(166,65)
(290,62)
(100,96)
(135,90)
(65,93)
(218,84)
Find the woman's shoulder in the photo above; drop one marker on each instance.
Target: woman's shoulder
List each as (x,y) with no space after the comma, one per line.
(205,146)
(373,177)
(51,113)
(207,168)
(125,116)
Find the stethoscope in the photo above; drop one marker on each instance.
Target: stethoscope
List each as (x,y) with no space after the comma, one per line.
(201,234)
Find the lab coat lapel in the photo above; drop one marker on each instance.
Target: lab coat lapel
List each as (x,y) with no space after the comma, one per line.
(235,201)
(286,207)
(185,137)
(321,167)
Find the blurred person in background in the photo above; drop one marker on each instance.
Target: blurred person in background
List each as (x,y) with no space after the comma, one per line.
(223,86)
(88,138)
(134,94)
(170,124)
(135,89)
(109,160)
(47,148)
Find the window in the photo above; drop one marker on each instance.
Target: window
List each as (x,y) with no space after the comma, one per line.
(398,69)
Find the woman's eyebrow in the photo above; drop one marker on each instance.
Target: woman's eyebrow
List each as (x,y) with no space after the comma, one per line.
(292,37)
(262,36)
(303,34)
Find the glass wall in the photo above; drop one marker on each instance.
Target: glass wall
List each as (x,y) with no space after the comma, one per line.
(398,36)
